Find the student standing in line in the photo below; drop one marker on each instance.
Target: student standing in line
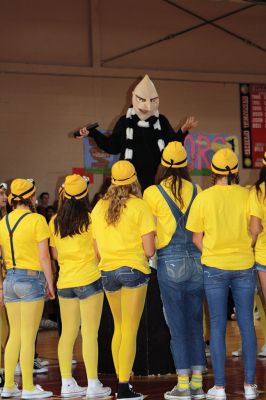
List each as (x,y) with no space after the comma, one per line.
(24,238)
(179,270)
(4,328)
(258,223)
(79,287)
(219,219)
(123,229)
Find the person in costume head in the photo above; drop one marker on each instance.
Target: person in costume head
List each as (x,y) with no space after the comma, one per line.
(258,223)
(24,245)
(123,229)
(141,135)
(219,219)
(79,286)
(179,270)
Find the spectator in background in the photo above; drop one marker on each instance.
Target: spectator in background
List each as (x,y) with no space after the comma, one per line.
(43,202)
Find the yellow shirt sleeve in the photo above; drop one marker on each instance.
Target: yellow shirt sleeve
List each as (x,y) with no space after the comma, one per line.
(146,220)
(41,229)
(255,206)
(195,222)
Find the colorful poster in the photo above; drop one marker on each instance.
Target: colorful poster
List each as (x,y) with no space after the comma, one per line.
(253,123)
(200,148)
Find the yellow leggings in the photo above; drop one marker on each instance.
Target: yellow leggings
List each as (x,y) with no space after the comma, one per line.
(87,314)
(127,307)
(24,320)
(4,331)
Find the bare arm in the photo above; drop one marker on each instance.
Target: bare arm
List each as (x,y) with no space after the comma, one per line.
(197,239)
(45,261)
(1,276)
(255,228)
(148,244)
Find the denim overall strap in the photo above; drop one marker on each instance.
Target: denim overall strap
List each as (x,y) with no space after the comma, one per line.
(177,214)
(11,233)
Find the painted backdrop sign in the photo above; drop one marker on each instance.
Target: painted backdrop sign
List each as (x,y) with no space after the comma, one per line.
(200,148)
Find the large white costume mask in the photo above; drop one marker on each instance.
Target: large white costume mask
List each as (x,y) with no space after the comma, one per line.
(145,99)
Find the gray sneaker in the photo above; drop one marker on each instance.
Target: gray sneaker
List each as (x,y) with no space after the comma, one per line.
(197,393)
(178,394)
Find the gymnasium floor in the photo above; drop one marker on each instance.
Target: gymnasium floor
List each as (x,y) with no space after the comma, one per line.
(153,386)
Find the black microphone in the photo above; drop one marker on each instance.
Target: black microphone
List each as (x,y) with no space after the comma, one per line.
(89,127)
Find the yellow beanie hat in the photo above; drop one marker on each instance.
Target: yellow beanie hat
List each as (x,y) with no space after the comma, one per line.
(174,155)
(75,186)
(21,189)
(224,162)
(264,158)
(123,173)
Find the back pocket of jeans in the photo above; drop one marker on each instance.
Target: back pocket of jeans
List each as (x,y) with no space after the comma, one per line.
(178,270)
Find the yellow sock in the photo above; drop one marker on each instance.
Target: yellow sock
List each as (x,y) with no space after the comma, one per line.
(196,381)
(183,381)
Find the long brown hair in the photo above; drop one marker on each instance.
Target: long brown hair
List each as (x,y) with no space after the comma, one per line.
(72,217)
(173,178)
(234,178)
(262,179)
(118,197)
(24,202)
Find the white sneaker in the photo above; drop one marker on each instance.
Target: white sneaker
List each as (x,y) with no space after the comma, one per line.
(262,353)
(70,388)
(14,392)
(251,392)
(96,389)
(38,368)
(215,393)
(42,361)
(37,393)
(237,353)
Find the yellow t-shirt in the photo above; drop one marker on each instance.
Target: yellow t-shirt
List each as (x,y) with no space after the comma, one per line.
(166,224)
(29,232)
(221,212)
(76,257)
(121,245)
(257,205)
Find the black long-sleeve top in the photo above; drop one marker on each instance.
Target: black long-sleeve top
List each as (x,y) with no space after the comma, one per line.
(146,153)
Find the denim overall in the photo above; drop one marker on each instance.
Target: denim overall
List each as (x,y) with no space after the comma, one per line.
(180,278)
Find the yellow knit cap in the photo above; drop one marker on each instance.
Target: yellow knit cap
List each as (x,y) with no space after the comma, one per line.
(224,162)
(123,173)
(21,189)
(174,155)
(75,187)
(264,158)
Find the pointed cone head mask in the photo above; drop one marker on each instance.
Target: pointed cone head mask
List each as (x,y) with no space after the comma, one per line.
(145,99)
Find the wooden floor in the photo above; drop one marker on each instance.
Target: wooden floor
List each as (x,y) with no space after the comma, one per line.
(153,386)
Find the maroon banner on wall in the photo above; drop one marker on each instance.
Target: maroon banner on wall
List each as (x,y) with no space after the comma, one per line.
(253,123)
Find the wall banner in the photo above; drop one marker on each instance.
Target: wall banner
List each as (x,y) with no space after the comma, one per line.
(200,149)
(253,123)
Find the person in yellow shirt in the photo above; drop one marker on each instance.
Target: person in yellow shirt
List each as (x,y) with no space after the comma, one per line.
(123,229)
(179,270)
(24,245)
(4,328)
(219,220)
(79,287)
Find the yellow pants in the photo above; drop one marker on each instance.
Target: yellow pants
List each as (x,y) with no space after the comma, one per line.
(4,331)
(24,320)
(87,314)
(127,307)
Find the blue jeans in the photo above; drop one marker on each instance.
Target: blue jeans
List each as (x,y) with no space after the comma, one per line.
(123,277)
(81,292)
(260,267)
(181,285)
(24,285)
(242,283)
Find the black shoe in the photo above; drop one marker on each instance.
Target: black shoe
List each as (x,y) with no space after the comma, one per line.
(125,392)
(2,381)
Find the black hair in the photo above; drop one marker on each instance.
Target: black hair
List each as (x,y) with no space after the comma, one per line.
(25,202)
(262,179)
(175,185)
(43,194)
(232,178)
(72,217)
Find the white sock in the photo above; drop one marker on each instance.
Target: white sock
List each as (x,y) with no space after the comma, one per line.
(67,381)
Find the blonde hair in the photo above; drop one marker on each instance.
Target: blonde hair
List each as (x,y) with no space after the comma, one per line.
(118,196)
